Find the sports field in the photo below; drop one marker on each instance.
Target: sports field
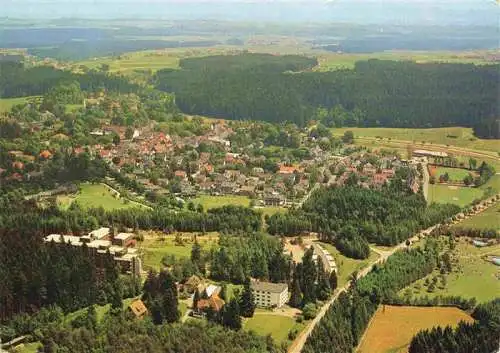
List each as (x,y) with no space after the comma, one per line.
(453,136)
(489,219)
(392,327)
(95,195)
(345,265)
(157,247)
(461,196)
(473,277)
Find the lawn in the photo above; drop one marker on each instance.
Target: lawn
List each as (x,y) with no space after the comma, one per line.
(461,196)
(101,310)
(455,174)
(6,104)
(346,266)
(473,277)
(392,327)
(95,195)
(485,220)
(28,348)
(155,249)
(275,325)
(208,201)
(453,136)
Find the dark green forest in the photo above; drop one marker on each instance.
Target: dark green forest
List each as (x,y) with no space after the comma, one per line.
(376,93)
(351,217)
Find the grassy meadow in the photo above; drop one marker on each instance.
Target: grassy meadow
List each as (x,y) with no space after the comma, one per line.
(95,195)
(209,201)
(489,219)
(155,248)
(345,265)
(392,327)
(271,324)
(6,104)
(473,277)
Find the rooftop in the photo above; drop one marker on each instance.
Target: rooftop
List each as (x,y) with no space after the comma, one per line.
(268,286)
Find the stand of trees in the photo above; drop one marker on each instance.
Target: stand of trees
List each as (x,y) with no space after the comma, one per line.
(482,336)
(35,274)
(255,255)
(350,217)
(375,93)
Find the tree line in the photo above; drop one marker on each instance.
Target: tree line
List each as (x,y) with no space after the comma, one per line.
(375,93)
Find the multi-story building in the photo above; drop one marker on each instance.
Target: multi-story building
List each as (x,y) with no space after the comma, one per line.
(269,295)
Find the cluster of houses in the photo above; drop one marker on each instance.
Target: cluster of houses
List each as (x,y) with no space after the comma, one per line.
(100,243)
(216,173)
(369,173)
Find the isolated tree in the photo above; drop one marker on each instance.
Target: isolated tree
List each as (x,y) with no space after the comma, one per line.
(296,292)
(348,137)
(196,254)
(247,301)
(309,277)
(231,315)
(129,133)
(333,280)
(196,299)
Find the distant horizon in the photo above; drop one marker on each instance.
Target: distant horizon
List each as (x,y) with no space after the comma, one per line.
(402,12)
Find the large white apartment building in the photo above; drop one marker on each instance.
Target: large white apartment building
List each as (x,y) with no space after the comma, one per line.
(268,295)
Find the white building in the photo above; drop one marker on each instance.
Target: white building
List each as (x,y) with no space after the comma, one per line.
(268,295)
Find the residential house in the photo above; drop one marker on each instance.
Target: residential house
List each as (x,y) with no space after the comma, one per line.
(138,309)
(274,199)
(269,295)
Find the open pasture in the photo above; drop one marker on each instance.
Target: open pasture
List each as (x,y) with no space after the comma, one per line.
(6,104)
(208,201)
(392,327)
(472,276)
(455,174)
(489,219)
(156,247)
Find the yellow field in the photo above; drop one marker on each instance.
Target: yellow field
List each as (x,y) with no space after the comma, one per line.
(391,329)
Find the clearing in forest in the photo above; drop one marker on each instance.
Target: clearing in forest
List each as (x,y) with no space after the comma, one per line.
(392,327)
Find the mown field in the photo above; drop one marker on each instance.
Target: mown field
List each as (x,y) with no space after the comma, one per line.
(453,136)
(455,174)
(461,196)
(270,324)
(209,201)
(489,219)
(473,277)
(345,265)
(95,195)
(157,246)
(392,327)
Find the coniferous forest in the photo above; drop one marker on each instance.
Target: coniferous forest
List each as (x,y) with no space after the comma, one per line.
(375,94)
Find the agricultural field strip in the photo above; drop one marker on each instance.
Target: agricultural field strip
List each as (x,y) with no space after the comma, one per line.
(298,344)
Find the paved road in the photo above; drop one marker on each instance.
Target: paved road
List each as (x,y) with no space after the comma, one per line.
(298,344)
(425,185)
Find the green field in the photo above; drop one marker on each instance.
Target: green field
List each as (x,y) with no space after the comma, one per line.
(461,196)
(453,136)
(155,249)
(28,348)
(7,103)
(208,201)
(474,277)
(345,265)
(333,61)
(455,174)
(95,195)
(270,324)
(489,219)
